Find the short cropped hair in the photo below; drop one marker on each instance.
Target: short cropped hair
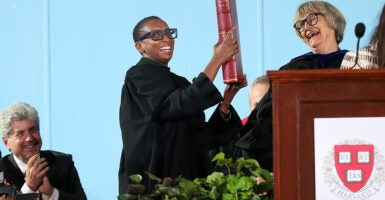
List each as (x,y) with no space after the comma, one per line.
(138,32)
(333,16)
(264,79)
(17,111)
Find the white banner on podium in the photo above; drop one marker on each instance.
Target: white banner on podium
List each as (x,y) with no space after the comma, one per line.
(349,158)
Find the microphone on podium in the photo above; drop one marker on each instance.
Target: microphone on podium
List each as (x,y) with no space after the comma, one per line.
(359,31)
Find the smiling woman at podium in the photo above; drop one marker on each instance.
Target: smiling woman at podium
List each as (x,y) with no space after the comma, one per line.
(321,26)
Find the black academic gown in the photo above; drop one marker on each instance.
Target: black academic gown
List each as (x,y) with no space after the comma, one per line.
(317,61)
(62,174)
(163,124)
(255,139)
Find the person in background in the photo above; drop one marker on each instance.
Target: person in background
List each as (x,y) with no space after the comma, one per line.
(371,56)
(321,26)
(50,173)
(162,118)
(258,89)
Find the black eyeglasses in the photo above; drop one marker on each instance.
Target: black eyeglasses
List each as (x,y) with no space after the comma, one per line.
(311,19)
(156,35)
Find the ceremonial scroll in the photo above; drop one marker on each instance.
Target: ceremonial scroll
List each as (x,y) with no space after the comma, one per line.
(227,18)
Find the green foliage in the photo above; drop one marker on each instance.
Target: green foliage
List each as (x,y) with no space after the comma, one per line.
(238,181)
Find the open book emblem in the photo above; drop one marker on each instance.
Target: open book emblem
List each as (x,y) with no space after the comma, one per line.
(354,164)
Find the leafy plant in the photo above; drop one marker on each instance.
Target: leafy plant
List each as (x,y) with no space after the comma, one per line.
(237,181)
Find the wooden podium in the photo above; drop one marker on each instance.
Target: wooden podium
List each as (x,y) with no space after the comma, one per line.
(299,96)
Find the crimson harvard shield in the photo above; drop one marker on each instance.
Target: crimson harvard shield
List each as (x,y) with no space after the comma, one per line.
(354,164)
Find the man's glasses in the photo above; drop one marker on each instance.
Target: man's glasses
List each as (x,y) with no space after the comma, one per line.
(311,19)
(156,35)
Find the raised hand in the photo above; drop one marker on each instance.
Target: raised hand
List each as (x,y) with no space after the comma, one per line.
(230,91)
(227,48)
(223,51)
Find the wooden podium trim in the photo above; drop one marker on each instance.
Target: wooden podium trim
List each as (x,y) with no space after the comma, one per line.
(331,74)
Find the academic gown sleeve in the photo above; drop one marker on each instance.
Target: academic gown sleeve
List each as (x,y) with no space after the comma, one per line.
(219,131)
(256,137)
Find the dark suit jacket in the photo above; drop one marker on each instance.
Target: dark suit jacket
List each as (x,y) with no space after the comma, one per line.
(62,174)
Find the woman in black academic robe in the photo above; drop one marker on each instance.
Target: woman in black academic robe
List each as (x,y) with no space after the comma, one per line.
(162,114)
